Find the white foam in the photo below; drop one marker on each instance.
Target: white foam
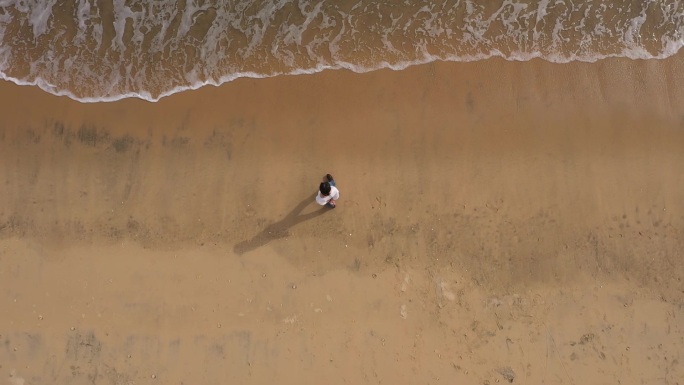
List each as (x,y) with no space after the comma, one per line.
(631,36)
(40,14)
(82,13)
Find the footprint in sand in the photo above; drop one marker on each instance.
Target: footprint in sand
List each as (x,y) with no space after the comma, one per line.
(403,312)
(14,379)
(444,290)
(404,284)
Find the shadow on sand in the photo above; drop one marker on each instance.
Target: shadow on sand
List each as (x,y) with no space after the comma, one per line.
(280,229)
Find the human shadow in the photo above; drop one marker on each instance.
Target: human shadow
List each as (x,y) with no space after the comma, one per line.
(279,229)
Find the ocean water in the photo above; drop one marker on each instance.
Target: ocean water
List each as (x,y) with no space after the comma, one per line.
(105,50)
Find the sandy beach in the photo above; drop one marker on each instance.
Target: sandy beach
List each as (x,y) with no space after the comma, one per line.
(499,222)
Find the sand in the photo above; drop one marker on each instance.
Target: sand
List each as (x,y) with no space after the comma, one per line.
(499,222)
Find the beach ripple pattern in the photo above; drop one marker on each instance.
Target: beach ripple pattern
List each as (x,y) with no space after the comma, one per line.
(106,50)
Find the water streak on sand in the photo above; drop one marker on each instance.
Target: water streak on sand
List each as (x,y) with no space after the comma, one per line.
(104,51)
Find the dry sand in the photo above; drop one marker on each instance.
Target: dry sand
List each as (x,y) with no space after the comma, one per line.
(499,222)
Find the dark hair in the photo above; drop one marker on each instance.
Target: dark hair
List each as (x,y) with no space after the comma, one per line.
(325,188)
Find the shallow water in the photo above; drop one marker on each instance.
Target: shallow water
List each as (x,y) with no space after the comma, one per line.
(108,50)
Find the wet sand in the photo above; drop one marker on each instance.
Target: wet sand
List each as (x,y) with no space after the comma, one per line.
(498,222)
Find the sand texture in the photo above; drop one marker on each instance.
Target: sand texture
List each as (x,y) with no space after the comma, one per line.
(499,222)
